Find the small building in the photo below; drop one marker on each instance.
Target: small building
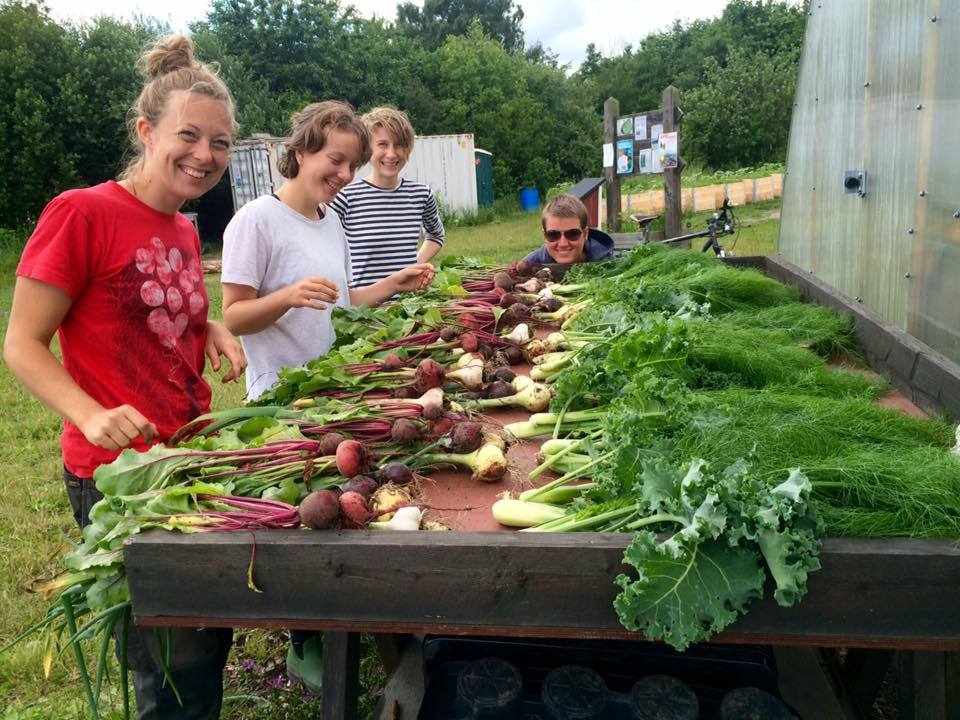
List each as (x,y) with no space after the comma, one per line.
(588,190)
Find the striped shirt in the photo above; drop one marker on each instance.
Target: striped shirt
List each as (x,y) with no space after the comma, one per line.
(383,226)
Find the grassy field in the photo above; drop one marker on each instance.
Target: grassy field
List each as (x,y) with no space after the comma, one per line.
(36,525)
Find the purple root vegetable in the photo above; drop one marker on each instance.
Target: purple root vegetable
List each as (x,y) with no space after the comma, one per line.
(404,432)
(507,300)
(469,342)
(516,313)
(441,426)
(449,334)
(485,350)
(353,507)
(432,403)
(544,275)
(329,442)
(503,280)
(499,389)
(551,304)
(530,286)
(392,362)
(527,268)
(504,373)
(466,437)
(513,355)
(396,473)
(363,484)
(352,458)
(320,510)
(405,392)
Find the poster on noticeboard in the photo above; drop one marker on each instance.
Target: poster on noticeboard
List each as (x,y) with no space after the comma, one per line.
(645,161)
(624,157)
(625,126)
(668,150)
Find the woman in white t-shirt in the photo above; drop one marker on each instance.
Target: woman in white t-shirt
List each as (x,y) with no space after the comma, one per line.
(285,258)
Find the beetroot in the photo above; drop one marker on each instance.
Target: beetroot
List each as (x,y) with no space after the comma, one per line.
(392,362)
(351,458)
(429,374)
(320,510)
(544,274)
(469,342)
(513,355)
(441,426)
(363,484)
(329,442)
(499,389)
(516,313)
(466,437)
(396,473)
(530,286)
(405,392)
(504,373)
(551,304)
(499,292)
(503,280)
(485,350)
(354,508)
(449,334)
(527,268)
(507,300)
(404,432)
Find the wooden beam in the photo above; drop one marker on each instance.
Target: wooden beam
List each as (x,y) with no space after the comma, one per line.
(897,593)
(611,108)
(671,176)
(341,680)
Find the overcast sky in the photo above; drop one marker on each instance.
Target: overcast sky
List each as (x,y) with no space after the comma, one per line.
(565,28)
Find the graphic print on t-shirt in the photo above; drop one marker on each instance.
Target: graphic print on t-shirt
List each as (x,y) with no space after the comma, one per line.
(172,288)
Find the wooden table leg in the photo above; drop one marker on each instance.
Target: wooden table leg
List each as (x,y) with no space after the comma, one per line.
(927,685)
(341,675)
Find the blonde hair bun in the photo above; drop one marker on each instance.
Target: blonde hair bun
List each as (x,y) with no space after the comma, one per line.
(168,55)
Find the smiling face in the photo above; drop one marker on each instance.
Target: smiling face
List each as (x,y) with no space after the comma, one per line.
(388,158)
(186,152)
(564,239)
(323,173)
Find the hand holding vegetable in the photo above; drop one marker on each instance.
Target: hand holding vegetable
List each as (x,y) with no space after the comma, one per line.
(116,428)
(312,291)
(219,342)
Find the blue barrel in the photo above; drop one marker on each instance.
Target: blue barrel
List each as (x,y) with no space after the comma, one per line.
(529,199)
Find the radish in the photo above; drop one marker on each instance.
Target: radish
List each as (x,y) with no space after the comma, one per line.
(320,510)
(354,508)
(351,458)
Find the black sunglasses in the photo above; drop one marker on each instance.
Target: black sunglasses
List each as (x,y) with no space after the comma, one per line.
(554,235)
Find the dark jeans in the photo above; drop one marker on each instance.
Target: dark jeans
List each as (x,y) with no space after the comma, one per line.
(197,656)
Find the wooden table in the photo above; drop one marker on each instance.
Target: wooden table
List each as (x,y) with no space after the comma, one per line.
(890,594)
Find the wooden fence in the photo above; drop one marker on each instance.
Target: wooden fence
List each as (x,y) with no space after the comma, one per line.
(706,198)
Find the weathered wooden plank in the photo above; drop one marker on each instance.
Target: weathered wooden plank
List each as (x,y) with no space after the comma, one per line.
(341,680)
(889,593)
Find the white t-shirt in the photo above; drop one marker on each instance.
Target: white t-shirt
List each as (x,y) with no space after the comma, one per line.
(269,246)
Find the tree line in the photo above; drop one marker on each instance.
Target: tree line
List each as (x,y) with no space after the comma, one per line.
(454,65)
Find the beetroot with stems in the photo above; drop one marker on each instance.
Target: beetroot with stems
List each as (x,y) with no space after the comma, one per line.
(430,374)
(503,373)
(441,426)
(527,268)
(395,473)
(404,431)
(550,304)
(363,484)
(405,392)
(320,510)
(485,350)
(513,355)
(503,280)
(544,274)
(352,458)
(466,437)
(329,442)
(517,313)
(449,334)
(507,300)
(353,507)
(469,342)
(392,362)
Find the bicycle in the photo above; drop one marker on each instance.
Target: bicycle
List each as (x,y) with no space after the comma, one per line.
(720,223)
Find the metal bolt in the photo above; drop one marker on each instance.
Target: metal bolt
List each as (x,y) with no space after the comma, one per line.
(910,231)
(867,84)
(923,193)
(933,19)
(957,214)
(814,187)
(919,106)
(859,299)
(908,275)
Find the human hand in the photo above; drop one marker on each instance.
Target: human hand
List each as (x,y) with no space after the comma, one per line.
(116,428)
(415,277)
(221,341)
(311,292)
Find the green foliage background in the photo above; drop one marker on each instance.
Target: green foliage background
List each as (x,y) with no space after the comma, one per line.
(454,65)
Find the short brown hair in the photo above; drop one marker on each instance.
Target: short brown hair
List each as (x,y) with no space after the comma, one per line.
(170,66)
(564,206)
(310,128)
(393,121)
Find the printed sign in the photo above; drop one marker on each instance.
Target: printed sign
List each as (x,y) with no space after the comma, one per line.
(624,157)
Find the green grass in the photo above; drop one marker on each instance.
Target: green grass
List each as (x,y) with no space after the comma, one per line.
(35,520)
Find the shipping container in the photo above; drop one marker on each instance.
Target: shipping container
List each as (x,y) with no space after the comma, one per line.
(448,165)
(253,168)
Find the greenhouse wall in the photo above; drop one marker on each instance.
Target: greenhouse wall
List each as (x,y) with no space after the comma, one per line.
(871,199)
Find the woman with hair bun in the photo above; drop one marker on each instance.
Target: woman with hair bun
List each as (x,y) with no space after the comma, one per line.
(115,271)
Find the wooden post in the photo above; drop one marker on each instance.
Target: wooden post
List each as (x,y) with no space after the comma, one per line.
(341,675)
(671,176)
(611,109)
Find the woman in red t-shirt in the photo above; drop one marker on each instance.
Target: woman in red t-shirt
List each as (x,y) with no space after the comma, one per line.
(115,270)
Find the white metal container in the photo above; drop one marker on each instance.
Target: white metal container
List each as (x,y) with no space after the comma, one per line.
(447,164)
(253,168)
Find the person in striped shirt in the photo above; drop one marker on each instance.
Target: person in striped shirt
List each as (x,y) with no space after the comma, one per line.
(383,214)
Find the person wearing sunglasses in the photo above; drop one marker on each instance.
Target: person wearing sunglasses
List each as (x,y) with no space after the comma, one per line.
(566,237)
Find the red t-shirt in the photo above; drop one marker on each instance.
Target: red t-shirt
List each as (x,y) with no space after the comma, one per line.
(135,332)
